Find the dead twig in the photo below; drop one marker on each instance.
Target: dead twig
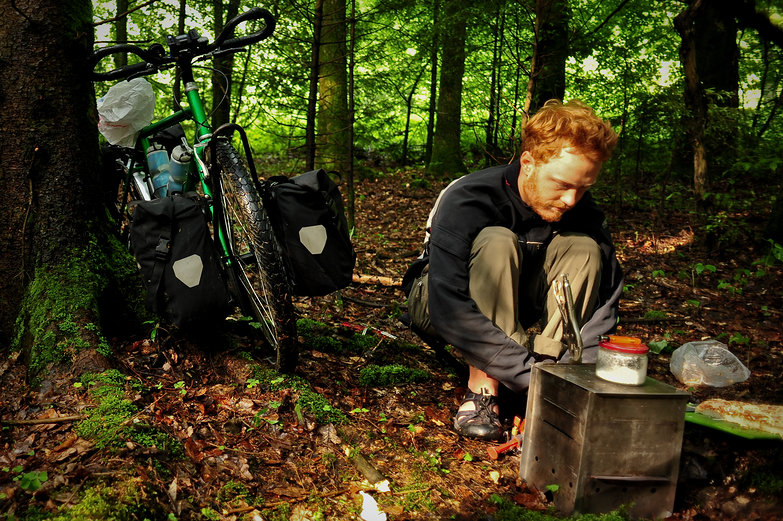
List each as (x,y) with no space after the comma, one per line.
(249,508)
(652,320)
(364,302)
(43,421)
(377,279)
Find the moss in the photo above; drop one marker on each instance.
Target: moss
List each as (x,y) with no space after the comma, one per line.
(508,511)
(117,502)
(107,424)
(378,375)
(64,305)
(309,400)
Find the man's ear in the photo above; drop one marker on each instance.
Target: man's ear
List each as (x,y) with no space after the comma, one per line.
(527,163)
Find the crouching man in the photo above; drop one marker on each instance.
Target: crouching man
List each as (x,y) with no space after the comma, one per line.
(496,241)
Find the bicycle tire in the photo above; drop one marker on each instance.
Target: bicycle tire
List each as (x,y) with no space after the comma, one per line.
(264,291)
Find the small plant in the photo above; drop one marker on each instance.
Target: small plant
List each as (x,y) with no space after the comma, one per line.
(739,338)
(660,346)
(654,314)
(32,481)
(375,375)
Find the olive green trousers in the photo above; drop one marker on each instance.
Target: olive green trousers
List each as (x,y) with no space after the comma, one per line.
(500,277)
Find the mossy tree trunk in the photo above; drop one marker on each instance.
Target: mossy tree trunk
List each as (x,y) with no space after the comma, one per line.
(333,147)
(56,272)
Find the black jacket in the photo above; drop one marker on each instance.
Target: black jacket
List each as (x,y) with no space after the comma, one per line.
(490,197)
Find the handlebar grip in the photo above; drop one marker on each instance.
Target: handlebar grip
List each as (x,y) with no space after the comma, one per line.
(151,57)
(120,73)
(255,13)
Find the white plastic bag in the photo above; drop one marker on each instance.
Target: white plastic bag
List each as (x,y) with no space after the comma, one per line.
(707,362)
(127,107)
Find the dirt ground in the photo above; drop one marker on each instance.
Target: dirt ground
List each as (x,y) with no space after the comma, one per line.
(243,448)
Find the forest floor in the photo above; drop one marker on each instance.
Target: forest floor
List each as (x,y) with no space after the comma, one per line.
(203,429)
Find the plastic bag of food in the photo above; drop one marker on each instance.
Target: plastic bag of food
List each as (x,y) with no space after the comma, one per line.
(707,362)
(127,107)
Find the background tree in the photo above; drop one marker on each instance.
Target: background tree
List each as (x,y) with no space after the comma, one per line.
(222,78)
(446,146)
(333,120)
(547,67)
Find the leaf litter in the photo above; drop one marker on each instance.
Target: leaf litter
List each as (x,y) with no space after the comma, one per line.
(210,437)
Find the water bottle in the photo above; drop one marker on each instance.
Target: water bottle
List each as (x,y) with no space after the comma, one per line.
(178,168)
(158,163)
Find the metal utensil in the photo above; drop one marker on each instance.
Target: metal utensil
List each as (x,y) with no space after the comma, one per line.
(571,328)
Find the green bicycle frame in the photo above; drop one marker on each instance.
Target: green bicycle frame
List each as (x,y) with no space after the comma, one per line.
(194,112)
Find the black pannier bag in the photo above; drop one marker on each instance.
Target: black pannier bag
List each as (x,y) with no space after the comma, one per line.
(183,279)
(308,217)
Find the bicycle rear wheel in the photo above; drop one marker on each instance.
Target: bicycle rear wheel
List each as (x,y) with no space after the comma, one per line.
(257,261)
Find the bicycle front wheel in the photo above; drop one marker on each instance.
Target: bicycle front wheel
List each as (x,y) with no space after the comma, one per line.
(257,259)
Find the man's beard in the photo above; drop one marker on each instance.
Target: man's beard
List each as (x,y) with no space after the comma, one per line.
(547,210)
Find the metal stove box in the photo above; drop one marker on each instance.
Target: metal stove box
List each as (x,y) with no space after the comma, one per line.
(603,444)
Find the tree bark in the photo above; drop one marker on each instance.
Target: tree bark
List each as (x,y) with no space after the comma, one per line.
(431,112)
(55,271)
(312,99)
(694,97)
(121,27)
(547,67)
(333,121)
(446,150)
(222,78)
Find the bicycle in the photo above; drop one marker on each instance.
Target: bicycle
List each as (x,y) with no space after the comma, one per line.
(250,255)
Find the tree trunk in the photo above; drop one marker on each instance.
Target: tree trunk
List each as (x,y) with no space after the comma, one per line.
(59,273)
(717,65)
(446,150)
(351,118)
(224,66)
(547,67)
(312,98)
(694,97)
(333,122)
(435,45)
(408,112)
(121,26)
(490,143)
(177,89)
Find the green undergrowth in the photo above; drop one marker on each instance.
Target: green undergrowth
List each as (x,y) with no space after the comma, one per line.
(308,401)
(510,511)
(322,337)
(110,422)
(120,501)
(767,478)
(381,375)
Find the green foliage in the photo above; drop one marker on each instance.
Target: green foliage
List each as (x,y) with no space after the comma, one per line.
(122,501)
(775,254)
(309,400)
(654,314)
(32,481)
(767,477)
(375,375)
(315,335)
(660,346)
(510,511)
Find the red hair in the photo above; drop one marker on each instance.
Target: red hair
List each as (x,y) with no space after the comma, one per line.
(557,126)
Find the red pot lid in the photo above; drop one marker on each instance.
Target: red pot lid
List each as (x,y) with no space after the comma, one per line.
(625,347)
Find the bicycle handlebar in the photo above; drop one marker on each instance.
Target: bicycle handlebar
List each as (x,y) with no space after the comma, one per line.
(155,56)
(222,42)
